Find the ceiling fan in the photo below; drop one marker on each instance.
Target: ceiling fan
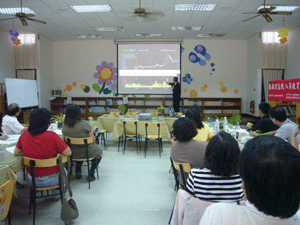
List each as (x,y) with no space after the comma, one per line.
(23,17)
(141,12)
(265,13)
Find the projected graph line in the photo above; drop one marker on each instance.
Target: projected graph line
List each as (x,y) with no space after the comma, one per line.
(166,62)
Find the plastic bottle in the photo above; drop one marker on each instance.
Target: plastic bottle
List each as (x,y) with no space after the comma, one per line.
(233,132)
(238,130)
(225,127)
(217,125)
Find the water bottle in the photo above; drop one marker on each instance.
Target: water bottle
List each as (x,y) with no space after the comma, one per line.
(217,125)
(225,128)
(233,132)
(238,130)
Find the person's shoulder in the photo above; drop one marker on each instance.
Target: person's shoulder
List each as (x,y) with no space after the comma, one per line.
(50,134)
(199,143)
(224,210)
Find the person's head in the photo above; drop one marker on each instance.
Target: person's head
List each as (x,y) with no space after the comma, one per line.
(194,114)
(13,109)
(222,154)
(39,121)
(175,79)
(277,115)
(270,170)
(263,108)
(72,115)
(184,129)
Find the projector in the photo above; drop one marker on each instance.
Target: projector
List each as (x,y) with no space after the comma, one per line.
(145,116)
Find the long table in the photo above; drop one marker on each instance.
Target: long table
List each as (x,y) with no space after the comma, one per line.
(114,123)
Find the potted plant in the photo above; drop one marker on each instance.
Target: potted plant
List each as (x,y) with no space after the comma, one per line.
(122,108)
(208,118)
(160,110)
(236,118)
(59,119)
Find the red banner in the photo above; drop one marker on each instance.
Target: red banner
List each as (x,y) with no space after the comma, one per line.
(285,90)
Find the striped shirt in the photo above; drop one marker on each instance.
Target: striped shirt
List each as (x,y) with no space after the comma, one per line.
(208,187)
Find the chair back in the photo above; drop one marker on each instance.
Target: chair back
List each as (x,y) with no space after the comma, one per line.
(158,125)
(131,113)
(6,190)
(130,123)
(182,168)
(178,113)
(154,113)
(175,172)
(114,113)
(79,141)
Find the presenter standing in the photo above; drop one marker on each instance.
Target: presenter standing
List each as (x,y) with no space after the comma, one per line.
(176,94)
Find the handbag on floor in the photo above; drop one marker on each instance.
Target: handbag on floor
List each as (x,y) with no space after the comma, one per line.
(69,210)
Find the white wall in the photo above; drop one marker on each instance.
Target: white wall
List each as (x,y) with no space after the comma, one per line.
(7,60)
(293,55)
(253,75)
(76,61)
(44,74)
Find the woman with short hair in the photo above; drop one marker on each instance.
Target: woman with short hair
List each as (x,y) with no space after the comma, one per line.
(219,181)
(74,127)
(38,143)
(185,148)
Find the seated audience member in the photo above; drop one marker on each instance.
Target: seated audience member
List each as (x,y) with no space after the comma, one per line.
(286,126)
(219,181)
(270,170)
(296,136)
(204,132)
(185,149)
(265,124)
(2,136)
(38,143)
(10,123)
(74,127)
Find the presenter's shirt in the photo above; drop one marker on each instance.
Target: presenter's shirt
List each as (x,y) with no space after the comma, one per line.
(11,125)
(41,146)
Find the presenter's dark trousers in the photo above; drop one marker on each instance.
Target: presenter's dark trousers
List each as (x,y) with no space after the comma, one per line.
(176,104)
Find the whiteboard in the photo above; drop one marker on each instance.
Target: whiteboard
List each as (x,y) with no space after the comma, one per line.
(21,91)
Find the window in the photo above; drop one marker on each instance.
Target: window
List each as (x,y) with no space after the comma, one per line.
(270,37)
(27,39)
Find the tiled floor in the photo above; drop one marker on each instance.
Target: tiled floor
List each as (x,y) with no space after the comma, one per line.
(131,190)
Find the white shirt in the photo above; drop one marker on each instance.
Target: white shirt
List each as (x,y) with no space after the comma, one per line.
(286,130)
(231,214)
(11,125)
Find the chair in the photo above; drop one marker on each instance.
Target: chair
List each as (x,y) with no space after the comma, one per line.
(6,190)
(188,209)
(99,133)
(154,113)
(42,163)
(114,113)
(182,168)
(81,141)
(131,113)
(157,136)
(129,134)
(178,113)
(176,176)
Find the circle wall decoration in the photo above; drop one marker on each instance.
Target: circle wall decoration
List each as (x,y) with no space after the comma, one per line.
(236,91)
(69,87)
(193,93)
(186,90)
(224,89)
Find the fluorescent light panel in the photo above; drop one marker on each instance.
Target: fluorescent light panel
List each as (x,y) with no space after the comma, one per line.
(109,28)
(210,35)
(87,36)
(195,7)
(91,8)
(185,28)
(148,35)
(11,11)
(280,8)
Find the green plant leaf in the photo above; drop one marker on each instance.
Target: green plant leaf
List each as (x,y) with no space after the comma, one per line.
(134,96)
(125,96)
(147,96)
(96,87)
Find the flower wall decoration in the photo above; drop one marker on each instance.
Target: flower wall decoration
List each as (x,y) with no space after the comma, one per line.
(106,76)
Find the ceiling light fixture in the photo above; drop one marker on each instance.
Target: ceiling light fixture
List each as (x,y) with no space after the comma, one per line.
(185,28)
(195,7)
(280,8)
(210,35)
(109,28)
(87,36)
(12,11)
(91,8)
(148,35)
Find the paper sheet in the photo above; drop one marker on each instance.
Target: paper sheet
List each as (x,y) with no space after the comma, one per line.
(11,149)
(58,132)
